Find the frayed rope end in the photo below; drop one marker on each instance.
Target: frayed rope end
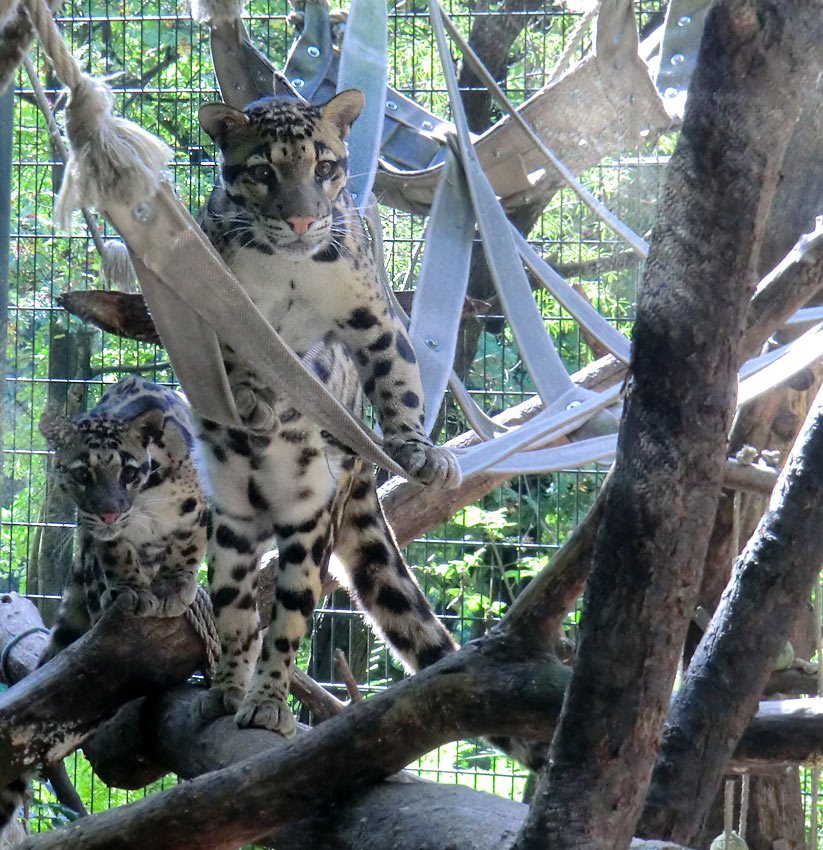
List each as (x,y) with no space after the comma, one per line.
(110,157)
(116,267)
(216,12)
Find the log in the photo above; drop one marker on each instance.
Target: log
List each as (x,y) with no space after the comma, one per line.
(403,812)
(45,716)
(161,734)
(18,617)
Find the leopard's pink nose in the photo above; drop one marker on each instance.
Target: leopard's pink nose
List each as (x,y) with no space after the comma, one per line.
(109,518)
(301,223)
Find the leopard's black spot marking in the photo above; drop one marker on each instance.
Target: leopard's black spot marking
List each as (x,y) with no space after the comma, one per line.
(240,571)
(410,399)
(238,442)
(292,600)
(382,342)
(255,495)
(391,598)
(223,597)
(382,368)
(228,539)
(360,490)
(431,654)
(362,319)
(318,551)
(363,521)
(294,553)
(404,349)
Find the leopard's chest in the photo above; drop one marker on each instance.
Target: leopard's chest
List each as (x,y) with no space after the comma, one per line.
(303,299)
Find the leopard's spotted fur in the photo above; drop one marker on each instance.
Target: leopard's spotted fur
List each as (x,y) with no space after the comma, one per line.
(142,514)
(284,223)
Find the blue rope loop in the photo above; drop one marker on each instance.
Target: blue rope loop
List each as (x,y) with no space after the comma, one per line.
(4,657)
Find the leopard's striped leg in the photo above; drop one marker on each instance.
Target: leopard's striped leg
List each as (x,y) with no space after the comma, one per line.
(382,582)
(303,551)
(388,369)
(234,550)
(303,479)
(175,583)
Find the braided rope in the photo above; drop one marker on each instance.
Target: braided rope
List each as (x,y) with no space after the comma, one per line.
(65,65)
(111,158)
(201,615)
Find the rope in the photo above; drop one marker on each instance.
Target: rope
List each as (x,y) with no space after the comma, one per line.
(745,782)
(4,657)
(728,813)
(115,264)
(110,157)
(65,65)
(201,615)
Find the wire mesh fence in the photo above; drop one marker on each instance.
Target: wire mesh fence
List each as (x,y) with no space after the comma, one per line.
(471,566)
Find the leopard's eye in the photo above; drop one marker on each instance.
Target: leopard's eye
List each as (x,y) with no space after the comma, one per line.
(128,474)
(262,173)
(81,475)
(324,169)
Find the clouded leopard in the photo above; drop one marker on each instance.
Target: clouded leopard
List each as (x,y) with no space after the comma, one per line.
(281,218)
(128,465)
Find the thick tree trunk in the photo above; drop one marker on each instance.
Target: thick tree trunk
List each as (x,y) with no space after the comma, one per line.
(771,584)
(652,542)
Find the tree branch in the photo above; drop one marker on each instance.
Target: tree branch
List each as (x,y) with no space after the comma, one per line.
(651,543)
(771,581)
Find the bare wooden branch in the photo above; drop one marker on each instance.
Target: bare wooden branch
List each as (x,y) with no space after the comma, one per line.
(672,445)
(772,580)
(120,313)
(539,609)
(484,687)
(20,617)
(60,703)
(346,675)
(786,289)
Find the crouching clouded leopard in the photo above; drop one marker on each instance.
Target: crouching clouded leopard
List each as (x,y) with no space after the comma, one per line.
(141,515)
(141,512)
(281,218)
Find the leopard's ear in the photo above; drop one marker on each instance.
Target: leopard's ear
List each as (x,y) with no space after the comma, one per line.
(222,122)
(342,109)
(146,427)
(56,428)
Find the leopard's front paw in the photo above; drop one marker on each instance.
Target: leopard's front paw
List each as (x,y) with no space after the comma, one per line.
(255,413)
(134,600)
(424,462)
(175,597)
(217,701)
(266,712)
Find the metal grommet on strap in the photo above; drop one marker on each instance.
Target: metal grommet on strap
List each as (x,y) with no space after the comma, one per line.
(4,657)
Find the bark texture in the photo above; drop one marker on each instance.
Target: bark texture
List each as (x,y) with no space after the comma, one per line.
(771,584)
(651,545)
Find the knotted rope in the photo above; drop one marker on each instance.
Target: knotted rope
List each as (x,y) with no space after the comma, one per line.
(201,615)
(110,156)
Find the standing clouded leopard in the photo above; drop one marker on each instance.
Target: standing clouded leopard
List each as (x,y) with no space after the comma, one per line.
(284,223)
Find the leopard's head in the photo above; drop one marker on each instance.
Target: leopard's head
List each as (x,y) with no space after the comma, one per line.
(101,463)
(283,162)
